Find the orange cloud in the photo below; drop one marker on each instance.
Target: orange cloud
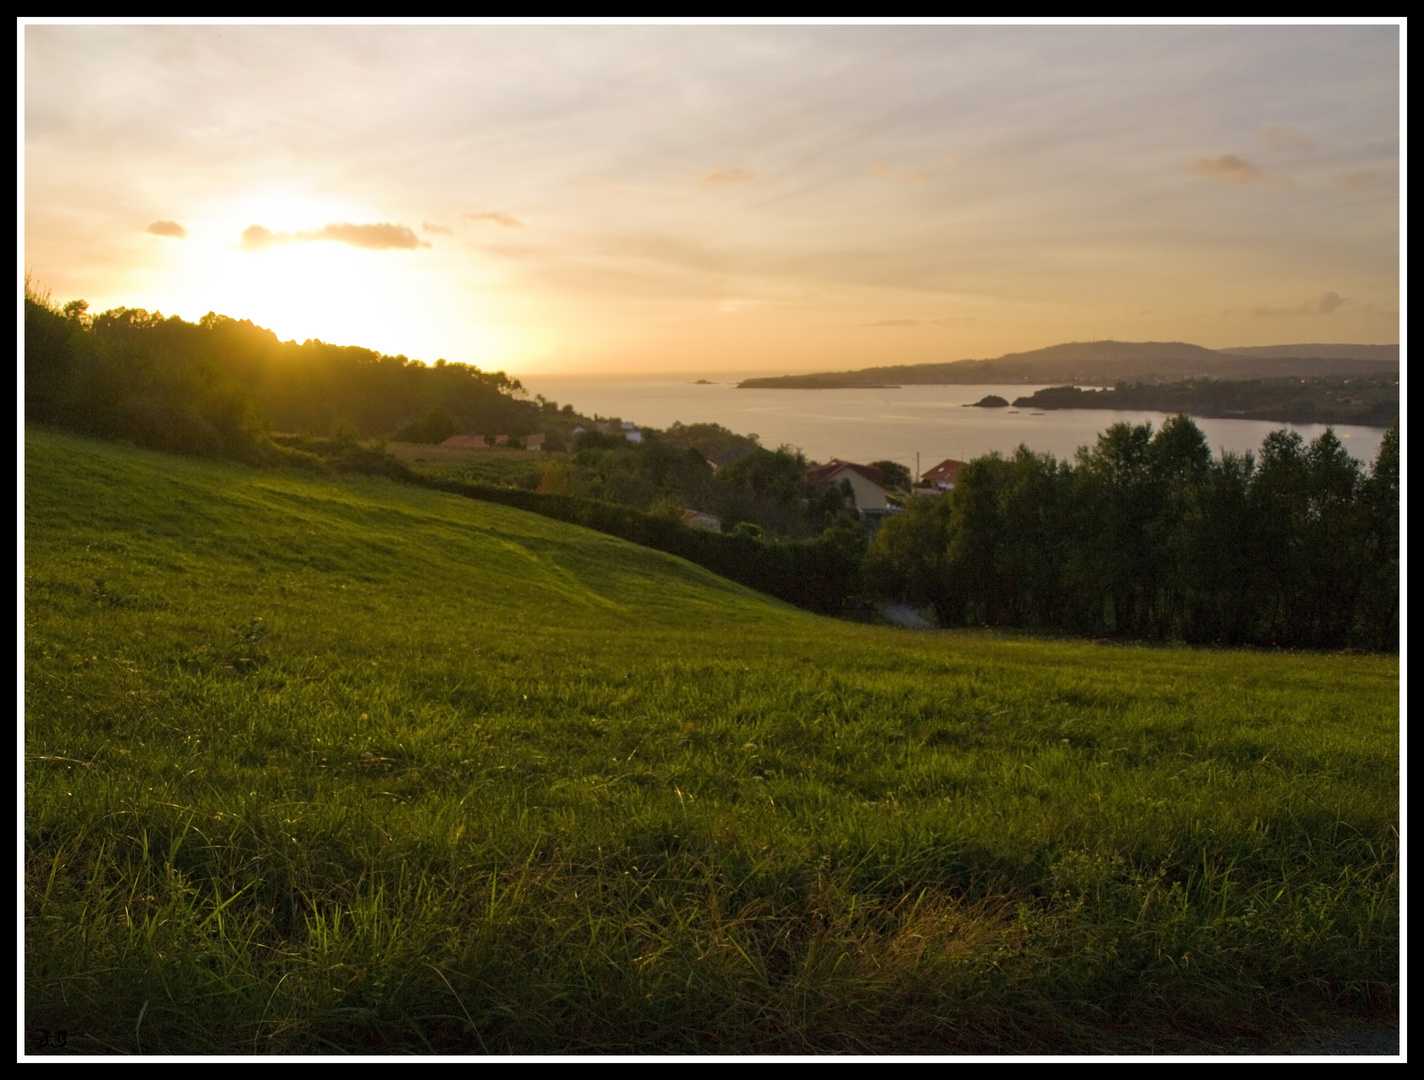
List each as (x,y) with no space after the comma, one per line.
(166,228)
(1321,304)
(950,320)
(378,237)
(496,219)
(259,236)
(723,177)
(1284,138)
(1235,171)
(1363,178)
(432,227)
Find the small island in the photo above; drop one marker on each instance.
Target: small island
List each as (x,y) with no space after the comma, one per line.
(989,401)
(1371,401)
(704,382)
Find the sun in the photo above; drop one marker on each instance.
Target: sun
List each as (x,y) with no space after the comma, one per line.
(301,286)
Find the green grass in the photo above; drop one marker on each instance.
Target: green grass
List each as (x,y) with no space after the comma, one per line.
(515,468)
(322,765)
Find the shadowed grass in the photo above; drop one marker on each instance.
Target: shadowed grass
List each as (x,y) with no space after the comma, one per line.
(337,765)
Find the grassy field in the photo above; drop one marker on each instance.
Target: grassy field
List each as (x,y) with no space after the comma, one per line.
(328,765)
(521,468)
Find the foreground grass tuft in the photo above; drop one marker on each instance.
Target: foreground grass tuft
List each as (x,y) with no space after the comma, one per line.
(318,766)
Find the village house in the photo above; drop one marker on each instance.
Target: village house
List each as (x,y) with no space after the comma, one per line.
(866,482)
(943,475)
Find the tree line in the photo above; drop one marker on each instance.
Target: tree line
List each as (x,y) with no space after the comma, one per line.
(1145,535)
(215,387)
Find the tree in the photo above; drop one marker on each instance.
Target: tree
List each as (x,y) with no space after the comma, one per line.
(908,558)
(894,474)
(1376,619)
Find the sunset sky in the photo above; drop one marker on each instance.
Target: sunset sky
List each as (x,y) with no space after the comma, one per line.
(668,198)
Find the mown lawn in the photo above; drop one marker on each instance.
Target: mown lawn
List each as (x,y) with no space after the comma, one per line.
(323,765)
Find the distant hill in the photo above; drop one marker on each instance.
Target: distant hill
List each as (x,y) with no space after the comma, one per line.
(1106,363)
(1388,353)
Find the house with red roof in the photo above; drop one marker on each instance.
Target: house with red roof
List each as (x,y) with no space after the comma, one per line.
(943,475)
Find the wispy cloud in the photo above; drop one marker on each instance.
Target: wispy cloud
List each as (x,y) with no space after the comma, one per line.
(1321,304)
(495,218)
(377,237)
(724,177)
(432,227)
(166,228)
(948,320)
(1285,139)
(1363,178)
(921,175)
(1235,171)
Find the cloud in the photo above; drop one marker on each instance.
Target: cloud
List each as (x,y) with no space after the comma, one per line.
(914,176)
(1321,304)
(1235,171)
(378,237)
(497,219)
(723,177)
(166,228)
(1285,139)
(1363,178)
(432,227)
(948,320)
(257,236)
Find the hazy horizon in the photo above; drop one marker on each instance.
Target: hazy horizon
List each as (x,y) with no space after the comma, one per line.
(607,199)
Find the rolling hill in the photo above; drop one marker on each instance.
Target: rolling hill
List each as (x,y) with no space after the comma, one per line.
(320,764)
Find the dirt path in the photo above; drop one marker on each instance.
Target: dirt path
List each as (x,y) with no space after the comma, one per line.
(904,615)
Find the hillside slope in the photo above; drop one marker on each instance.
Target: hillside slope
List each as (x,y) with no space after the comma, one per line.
(319,764)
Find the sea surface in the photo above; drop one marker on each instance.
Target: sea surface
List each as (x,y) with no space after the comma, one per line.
(898,424)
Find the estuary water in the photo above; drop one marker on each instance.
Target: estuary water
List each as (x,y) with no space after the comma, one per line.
(894,423)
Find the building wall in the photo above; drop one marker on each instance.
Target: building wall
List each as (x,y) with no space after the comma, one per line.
(868,494)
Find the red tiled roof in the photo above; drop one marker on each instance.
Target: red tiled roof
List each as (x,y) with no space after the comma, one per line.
(947,471)
(833,468)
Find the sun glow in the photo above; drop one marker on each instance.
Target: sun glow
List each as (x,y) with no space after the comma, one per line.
(303,283)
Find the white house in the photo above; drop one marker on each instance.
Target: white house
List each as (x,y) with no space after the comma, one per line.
(865,482)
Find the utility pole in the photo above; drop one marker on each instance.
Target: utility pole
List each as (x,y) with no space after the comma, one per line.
(917,470)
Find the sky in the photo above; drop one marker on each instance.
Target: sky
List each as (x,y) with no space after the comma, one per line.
(610,198)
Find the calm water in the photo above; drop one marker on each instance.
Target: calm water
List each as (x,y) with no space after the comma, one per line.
(897,424)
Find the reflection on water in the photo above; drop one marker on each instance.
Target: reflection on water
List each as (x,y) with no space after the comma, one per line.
(894,424)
